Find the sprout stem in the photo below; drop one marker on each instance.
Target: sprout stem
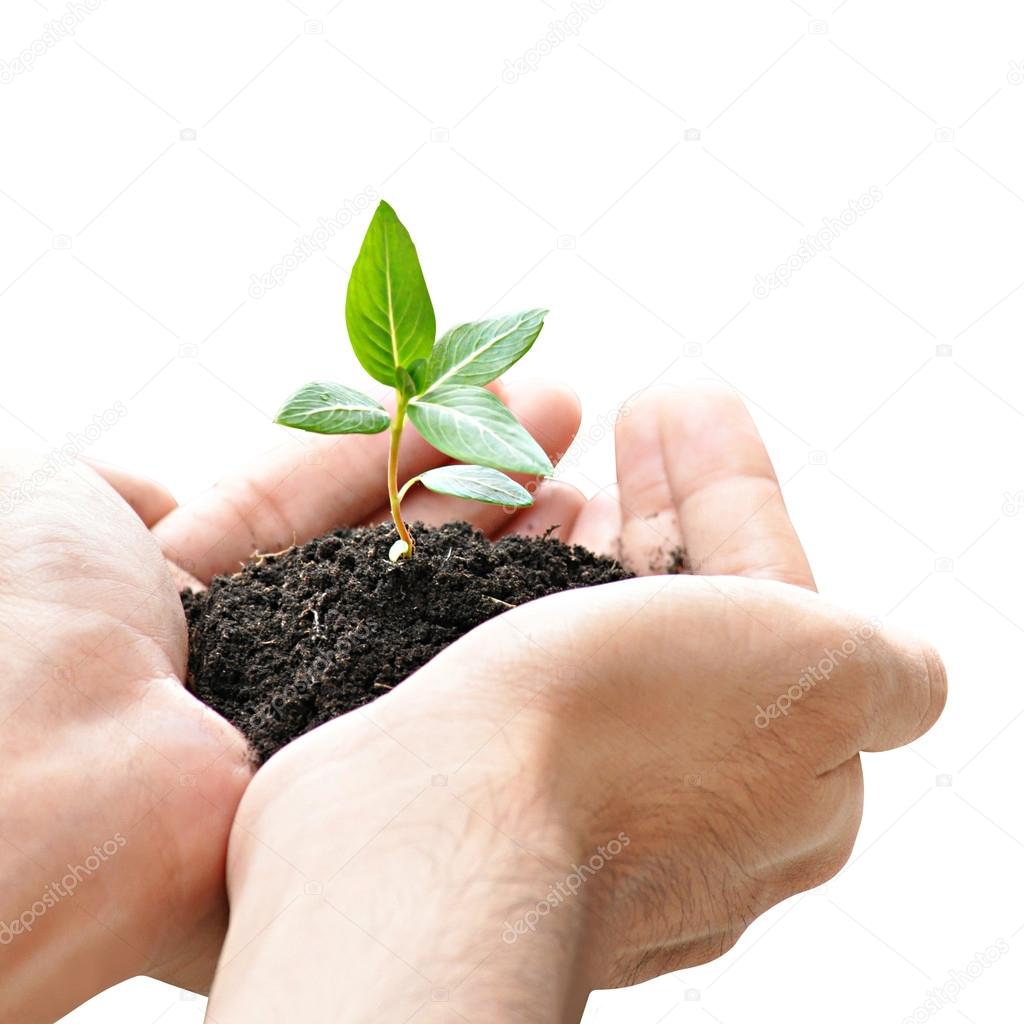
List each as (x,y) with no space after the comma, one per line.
(396,499)
(407,486)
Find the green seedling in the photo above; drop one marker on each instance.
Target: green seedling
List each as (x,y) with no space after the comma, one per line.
(439,385)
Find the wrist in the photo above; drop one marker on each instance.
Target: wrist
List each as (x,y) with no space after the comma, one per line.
(417,888)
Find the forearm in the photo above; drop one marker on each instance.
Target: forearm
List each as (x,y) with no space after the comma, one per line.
(59,928)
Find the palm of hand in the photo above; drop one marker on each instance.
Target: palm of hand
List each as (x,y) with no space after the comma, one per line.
(105,750)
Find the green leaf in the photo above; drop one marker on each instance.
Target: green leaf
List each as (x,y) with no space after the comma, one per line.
(387,310)
(480,352)
(477,483)
(405,383)
(471,425)
(418,372)
(325,408)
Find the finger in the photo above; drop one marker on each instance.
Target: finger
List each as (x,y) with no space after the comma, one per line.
(309,485)
(842,684)
(76,530)
(554,512)
(305,487)
(820,682)
(724,490)
(149,500)
(183,579)
(651,539)
(598,527)
(910,690)
(550,412)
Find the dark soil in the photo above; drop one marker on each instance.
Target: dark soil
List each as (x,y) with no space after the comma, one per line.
(298,638)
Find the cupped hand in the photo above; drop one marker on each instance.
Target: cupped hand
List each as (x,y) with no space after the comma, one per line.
(117,781)
(587,791)
(118,787)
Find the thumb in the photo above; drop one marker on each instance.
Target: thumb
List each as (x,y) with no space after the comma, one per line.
(871,690)
(908,691)
(835,680)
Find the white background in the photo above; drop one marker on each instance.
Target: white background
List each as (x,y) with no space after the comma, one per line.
(637,181)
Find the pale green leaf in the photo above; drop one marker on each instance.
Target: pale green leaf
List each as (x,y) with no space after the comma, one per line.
(388,311)
(480,352)
(477,483)
(471,425)
(325,408)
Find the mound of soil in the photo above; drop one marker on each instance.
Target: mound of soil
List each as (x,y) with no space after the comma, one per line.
(298,638)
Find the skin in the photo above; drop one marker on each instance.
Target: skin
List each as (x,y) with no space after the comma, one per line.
(103,746)
(400,863)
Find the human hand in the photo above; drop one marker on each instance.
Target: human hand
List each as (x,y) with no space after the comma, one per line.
(128,756)
(633,723)
(118,787)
